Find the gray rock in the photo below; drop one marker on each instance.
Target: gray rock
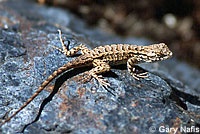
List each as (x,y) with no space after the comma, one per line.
(27,59)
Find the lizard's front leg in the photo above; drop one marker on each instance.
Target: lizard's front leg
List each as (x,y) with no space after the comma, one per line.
(72,51)
(100,67)
(130,65)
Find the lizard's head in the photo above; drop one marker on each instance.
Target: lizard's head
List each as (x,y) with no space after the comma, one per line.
(158,52)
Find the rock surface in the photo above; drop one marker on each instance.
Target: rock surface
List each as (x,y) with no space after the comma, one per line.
(27,59)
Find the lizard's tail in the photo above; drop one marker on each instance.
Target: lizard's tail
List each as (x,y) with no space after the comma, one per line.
(44,84)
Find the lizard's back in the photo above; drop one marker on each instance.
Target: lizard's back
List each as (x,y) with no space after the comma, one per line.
(115,53)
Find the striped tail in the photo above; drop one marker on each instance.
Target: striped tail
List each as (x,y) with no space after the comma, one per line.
(44,84)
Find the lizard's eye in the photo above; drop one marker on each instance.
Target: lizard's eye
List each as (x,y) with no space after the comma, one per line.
(162,52)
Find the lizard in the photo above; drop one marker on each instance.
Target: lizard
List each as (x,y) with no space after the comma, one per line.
(102,58)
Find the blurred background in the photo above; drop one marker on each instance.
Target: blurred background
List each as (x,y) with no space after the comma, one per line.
(175,22)
(28,29)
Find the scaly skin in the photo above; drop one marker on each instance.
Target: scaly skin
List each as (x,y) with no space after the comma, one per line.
(102,58)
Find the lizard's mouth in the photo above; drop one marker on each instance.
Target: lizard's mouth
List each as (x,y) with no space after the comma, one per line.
(160,58)
(169,55)
(166,57)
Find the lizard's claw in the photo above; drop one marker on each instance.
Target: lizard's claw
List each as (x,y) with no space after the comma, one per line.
(137,76)
(88,75)
(57,48)
(103,81)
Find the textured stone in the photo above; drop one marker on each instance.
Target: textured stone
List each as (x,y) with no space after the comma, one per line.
(27,59)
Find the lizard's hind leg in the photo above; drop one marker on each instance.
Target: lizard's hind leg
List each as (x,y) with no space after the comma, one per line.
(99,68)
(72,51)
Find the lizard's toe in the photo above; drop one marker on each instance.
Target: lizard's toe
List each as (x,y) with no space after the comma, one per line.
(140,75)
(103,81)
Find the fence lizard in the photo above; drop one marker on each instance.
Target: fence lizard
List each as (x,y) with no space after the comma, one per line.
(102,58)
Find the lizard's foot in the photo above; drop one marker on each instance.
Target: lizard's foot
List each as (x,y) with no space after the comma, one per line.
(64,49)
(57,48)
(100,79)
(137,76)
